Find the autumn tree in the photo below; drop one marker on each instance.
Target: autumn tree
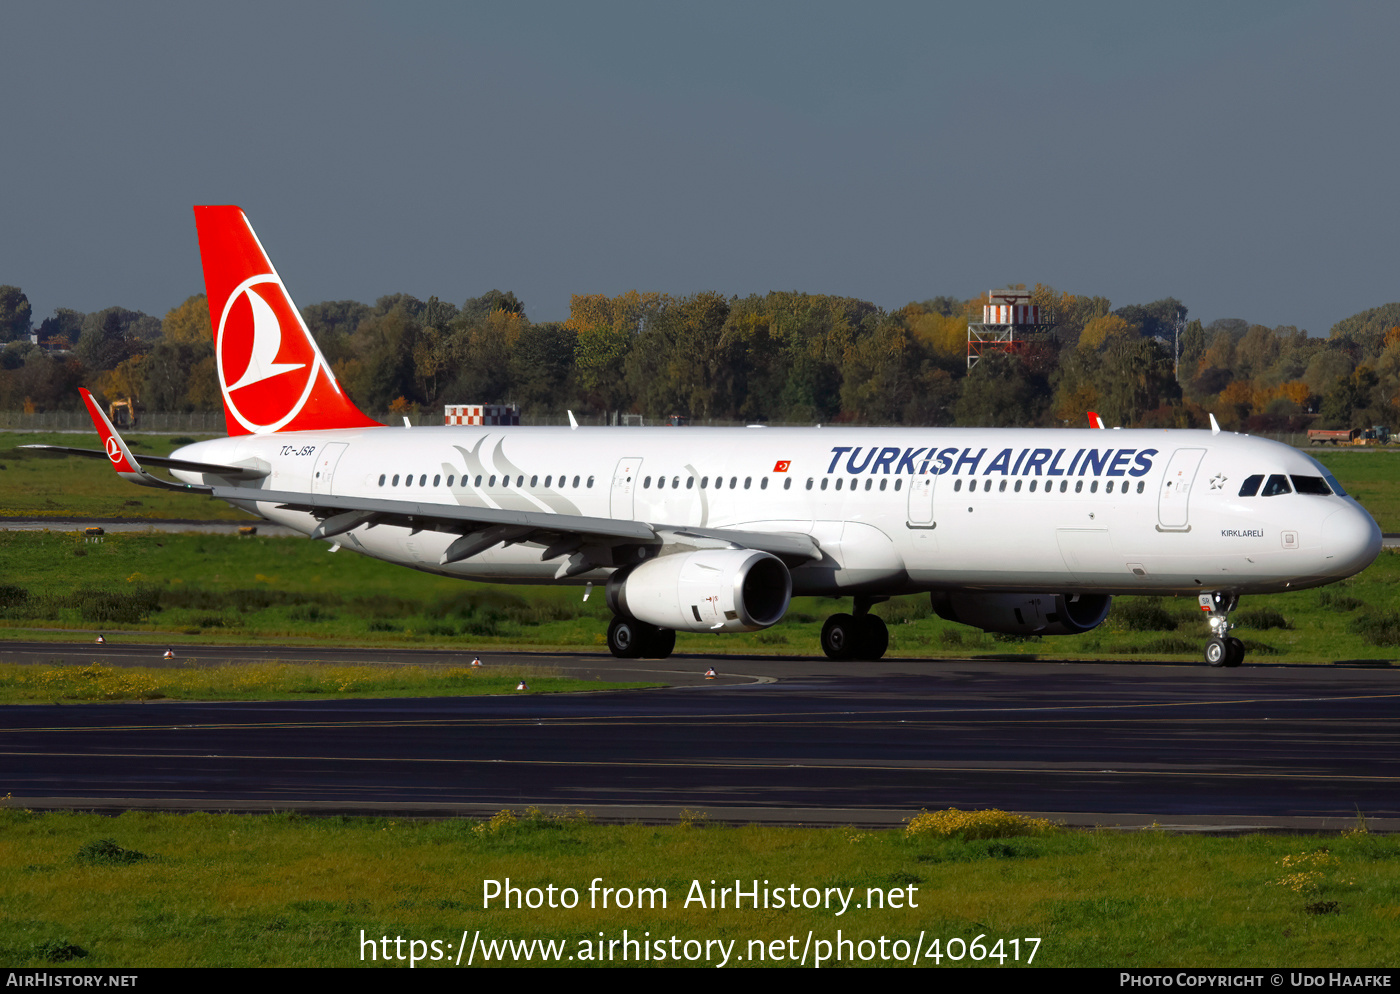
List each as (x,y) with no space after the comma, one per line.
(15,314)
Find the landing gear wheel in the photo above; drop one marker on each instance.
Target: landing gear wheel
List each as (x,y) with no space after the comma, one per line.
(840,637)
(1217,652)
(660,643)
(626,638)
(1235,651)
(874,637)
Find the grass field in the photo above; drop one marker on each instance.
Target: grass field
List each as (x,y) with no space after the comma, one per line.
(189,589)
(152,890)
(44,485)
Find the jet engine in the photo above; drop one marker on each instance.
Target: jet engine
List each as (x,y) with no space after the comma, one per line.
(711,590)
(1024,614)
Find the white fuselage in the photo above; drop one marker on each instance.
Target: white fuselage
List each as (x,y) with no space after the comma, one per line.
(894,510)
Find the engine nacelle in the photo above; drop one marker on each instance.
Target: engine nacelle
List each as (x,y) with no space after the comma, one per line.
(712,590)
(1024,614)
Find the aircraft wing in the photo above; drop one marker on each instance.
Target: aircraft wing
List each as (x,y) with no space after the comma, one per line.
(588,541)
(481,528)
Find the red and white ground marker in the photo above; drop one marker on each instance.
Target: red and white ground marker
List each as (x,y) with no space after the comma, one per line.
(710,673)
(521,686)
(169,654)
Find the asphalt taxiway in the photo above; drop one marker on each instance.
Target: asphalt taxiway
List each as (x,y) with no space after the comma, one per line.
(777,739)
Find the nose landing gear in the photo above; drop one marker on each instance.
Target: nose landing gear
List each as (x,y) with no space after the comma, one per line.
(1223,649)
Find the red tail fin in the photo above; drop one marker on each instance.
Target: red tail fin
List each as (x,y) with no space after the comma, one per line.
(273,376)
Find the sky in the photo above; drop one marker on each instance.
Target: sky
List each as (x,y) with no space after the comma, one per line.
(1238,156)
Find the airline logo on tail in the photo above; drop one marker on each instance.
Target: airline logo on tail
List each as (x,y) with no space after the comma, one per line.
(273,376)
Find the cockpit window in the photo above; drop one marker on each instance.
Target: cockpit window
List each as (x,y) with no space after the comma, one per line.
(1311,485)
(1278,484)
(1250,487)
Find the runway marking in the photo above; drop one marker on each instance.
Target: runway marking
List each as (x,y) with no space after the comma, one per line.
(846,714)
(618,764)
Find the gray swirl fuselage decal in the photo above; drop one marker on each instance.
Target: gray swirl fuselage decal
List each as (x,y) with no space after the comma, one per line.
(514,497)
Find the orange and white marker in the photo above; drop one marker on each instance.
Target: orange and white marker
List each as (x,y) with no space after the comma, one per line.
(100,640)
(521,686)
(476,662)
(169,653)
(710,673)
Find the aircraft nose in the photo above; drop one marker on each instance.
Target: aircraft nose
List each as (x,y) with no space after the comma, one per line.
(1351,540)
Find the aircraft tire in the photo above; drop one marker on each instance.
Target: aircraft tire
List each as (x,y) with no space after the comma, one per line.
(660,643)
(1217,651)
(874,637)
(626,638)
(1235,655)
(841,637)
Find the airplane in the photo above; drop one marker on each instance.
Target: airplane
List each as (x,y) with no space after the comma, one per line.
(1016,531)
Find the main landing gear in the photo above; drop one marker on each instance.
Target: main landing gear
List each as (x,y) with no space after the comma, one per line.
(859,636)
(1223,649)
(630,639)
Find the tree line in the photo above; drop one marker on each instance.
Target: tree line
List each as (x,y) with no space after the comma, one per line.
(783,357)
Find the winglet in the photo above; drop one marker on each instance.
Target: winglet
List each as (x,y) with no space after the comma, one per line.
(123,459)
(1214,425)
(1095,421)
(573,423)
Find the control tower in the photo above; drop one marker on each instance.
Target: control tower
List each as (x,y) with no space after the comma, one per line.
(1009,320)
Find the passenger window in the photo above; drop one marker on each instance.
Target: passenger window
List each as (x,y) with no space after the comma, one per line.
(809,483)
(1108,487)
(381,479)
(1140,486)
(898,483)
(423,480)
(478,479)
(839,481)
(704,482)
(987,487)
(408,480)
(787,484)
(690,483)
(1018,486)
(396,479)
(1033,486)
(437,479)
(883,484)
(823,483)
(957,485)
(869,483)
(1277,484)
(733,482)
(763,483)
(1064,485)
(661,483)
(1311,485)
(1250,487)
(1078,486)
(1001,487)
(1094,487)
(492,481)
(747,481)
(590,483)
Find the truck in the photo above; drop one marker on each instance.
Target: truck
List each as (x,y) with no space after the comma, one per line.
(1374,435)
